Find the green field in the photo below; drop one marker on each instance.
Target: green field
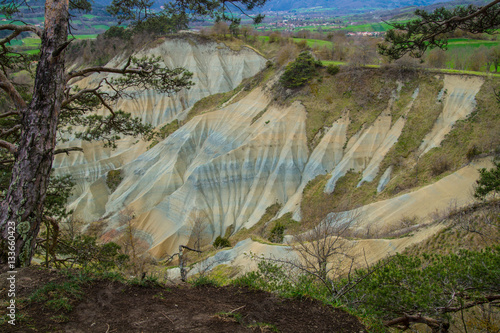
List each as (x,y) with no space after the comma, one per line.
(16,23)
(31,45)
(31,42)
(15,43)
(370,27)
(463,43)
(89,16)
(314,42)
(86,36)
(329,62)
(32,51)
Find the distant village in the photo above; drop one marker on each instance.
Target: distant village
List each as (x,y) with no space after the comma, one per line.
(292,25)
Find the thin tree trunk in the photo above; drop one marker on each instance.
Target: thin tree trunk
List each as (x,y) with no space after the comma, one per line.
(25,197)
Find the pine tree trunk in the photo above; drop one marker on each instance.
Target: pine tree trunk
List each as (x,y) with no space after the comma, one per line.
(23,203)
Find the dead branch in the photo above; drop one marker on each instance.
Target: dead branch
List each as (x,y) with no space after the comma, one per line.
(21,28)
(8,114)
(7,86)
(483,300)
(188,248)
(10,131)
(434,324)
(67,150)
(102,69)
(9,146)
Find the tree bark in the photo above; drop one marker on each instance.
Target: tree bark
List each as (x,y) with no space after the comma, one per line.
(23,203)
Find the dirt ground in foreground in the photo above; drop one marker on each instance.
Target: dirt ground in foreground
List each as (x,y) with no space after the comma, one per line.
(110,306)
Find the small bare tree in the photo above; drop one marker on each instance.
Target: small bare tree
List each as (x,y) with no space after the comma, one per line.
(324,251)
(325,254)
(131,244)
(183,260)
(221,29)
(198,224)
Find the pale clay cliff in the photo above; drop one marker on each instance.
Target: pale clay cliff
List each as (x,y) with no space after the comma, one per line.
(229,168)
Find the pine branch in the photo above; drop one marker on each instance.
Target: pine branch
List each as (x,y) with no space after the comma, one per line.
(67,150)
(8,114)
(407,319)
(9,146)
(10,131)
(103,69)
(483,300)
(416,36)
(78,95)
(14,95)
(22,28)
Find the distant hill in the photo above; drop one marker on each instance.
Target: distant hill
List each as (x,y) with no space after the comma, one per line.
(341,7)
(345,7)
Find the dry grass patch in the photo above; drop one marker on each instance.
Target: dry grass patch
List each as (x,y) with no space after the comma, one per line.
(474,228)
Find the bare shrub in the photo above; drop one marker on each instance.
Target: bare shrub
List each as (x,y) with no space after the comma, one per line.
(246,31)
(274,37)
(220,29)
(132,245)
(364,52)
(323,251)
(482,219)
(198,225)
(340,45)
(303,34)
(436,58)
(479,58)
(405,68)
(472,152)
(408,221)
(302,45)
(440,165)
(287,54)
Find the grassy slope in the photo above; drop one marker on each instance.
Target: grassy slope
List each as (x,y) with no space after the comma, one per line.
(475,135)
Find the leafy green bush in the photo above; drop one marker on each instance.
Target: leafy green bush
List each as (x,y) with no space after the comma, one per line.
(332,69)
(300,71)
(221,242)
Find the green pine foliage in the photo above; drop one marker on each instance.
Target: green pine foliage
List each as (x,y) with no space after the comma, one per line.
(429,288)
(113,179)
(433,286)
(332,69)
(221,242)
(277,233)
(300,71)
(489,181)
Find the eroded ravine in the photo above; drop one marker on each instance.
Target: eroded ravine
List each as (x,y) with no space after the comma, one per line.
(231,164)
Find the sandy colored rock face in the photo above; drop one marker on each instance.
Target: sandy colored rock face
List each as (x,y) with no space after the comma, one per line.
(229,165)
(459,94)
(215,69)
